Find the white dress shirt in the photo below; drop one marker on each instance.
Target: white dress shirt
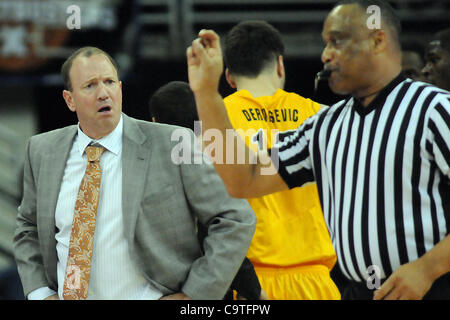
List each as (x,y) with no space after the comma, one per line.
(113,274)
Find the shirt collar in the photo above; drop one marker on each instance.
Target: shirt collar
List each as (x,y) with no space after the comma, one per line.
(112,142)
(246,94)
(380,98)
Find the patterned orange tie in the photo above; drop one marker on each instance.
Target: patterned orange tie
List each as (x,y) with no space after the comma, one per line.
(78,267)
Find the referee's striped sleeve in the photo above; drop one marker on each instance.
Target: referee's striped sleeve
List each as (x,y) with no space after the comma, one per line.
(439,138)
(291,152)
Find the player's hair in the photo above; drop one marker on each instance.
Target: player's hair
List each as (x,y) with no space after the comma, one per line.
(85,52)
(174,103)
(444,37)
(388,15)
(251,46)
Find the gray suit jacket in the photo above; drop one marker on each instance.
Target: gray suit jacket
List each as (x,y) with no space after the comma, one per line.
(160,203)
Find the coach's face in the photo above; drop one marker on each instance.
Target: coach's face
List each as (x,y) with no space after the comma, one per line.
(347,49)
(96,95)
(437,65)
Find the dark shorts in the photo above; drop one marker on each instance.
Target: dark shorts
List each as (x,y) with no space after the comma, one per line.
(440,290)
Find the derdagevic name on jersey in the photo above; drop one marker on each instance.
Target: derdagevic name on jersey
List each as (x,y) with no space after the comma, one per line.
(277,115)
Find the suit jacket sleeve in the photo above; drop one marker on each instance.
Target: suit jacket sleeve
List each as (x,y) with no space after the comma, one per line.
(230,223)
(246,282)
(26,242)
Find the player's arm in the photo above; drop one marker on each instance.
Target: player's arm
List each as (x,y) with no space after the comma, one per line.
(255,175)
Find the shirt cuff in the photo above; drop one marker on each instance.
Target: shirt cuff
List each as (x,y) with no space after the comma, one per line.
(41,293)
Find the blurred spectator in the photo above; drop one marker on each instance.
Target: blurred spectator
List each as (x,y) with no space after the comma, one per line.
(412,65)
(10,285)
(437,60)
(174,104)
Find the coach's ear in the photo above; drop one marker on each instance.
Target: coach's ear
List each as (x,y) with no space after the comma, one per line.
(230,79)
(67,95)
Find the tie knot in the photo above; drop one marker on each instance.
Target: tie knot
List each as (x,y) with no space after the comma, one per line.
(93,153)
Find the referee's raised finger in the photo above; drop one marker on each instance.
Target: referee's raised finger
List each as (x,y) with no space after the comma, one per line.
(190,56)
(211,38)
(198,49)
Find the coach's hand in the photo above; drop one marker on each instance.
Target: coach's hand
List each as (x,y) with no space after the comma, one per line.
(410,281)
(205,64)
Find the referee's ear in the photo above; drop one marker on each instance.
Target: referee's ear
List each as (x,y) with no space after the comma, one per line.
(379,41)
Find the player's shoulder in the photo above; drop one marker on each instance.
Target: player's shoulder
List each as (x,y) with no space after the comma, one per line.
(308,104)
(236,98)
(294,95)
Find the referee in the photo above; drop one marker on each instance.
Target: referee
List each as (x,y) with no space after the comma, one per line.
(381,159)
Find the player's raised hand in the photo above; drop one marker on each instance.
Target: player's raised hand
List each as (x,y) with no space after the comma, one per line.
(205,64)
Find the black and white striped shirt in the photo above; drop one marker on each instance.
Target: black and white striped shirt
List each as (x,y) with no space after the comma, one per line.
(382,172)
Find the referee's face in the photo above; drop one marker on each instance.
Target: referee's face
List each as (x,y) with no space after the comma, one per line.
(347,49)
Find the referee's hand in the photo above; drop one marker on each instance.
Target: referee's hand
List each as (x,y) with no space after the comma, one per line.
(205,64)
(410,281)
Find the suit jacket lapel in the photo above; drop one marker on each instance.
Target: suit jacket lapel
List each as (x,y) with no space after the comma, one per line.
(135,159)
(53,165)
(51,173)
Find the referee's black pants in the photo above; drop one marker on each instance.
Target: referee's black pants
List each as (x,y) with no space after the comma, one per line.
(352,290)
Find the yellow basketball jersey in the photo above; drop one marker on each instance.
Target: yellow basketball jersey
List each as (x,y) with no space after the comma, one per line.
(290,228)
